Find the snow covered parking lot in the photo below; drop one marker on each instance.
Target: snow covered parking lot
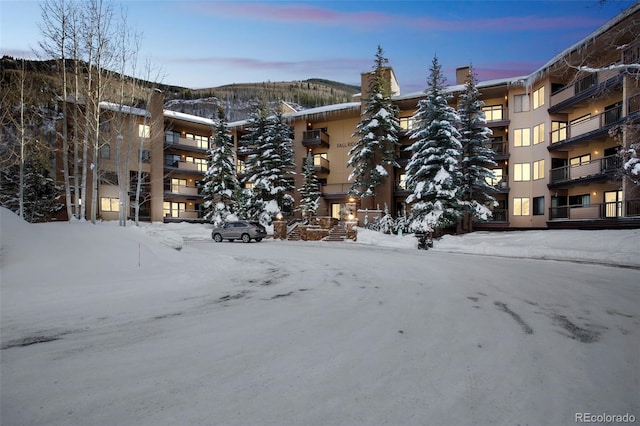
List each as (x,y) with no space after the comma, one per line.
(119,328)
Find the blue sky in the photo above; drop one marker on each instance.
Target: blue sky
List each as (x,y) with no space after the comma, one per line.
(211,43)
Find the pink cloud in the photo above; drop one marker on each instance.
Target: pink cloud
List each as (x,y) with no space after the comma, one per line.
(300,13)
(325,64)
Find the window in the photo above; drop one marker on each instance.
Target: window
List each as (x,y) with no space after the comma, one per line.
(146,156)
(201,164)
(144,131)
(580,119)
(172,137)
(496,179)
(521,172)
(402,183)
(582,200)
(109,204)
(558,131)
(493,112)
(538,170)
(538,98)
(521,103)
(406,123)
(105,151)
(176,184)
(521,137)
(580,160)
(240,167)
(172,209)
(538,134)
(521,207)
(538,206)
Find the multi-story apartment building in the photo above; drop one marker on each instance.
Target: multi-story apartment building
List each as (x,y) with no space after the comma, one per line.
(557,163)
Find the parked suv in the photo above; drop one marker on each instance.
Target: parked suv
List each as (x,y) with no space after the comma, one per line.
(239,230)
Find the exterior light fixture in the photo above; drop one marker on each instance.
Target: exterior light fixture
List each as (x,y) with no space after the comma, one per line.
(279,216)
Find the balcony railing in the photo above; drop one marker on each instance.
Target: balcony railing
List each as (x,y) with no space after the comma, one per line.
(173,139)
(187,166)
(183,214)
(499,215)
(336,188)
(610,210)
(315,138)
(591,81)
(182,189)
(597,167)
(633,104)
(496,116)
(321,164)
(593,124)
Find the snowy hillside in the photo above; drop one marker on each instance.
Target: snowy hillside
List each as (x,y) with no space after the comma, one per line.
(158,325)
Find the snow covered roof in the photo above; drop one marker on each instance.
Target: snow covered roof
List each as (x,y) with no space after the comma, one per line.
(519,80)
(112,106)
(188,117)
(323,110)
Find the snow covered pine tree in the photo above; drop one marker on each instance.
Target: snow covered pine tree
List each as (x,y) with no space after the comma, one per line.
(220,179)
(476,156)
(433,173)
(377,134)
(310,190)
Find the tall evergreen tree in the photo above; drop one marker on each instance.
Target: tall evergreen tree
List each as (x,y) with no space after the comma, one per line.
(273,164)
(220,179)
(377,134)
(310,190)
(476,155)
(433,173)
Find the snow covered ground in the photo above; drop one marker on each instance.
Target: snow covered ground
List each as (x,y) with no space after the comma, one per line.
(103,325)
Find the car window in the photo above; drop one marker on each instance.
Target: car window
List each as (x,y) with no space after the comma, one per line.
(239,225)
(228,225)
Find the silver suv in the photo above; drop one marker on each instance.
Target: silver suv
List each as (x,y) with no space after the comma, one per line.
(241,229)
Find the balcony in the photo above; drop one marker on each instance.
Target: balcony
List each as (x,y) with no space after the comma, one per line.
(315,138)
(501,148)
(173,140)
(185,166)
(598,169)
(583,89)
(496,116)
(321,164)
(592,127)
(183,216)
(182,190)
(336,190)
(616,214)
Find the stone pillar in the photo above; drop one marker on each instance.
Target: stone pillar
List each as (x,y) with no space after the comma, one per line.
(280,230)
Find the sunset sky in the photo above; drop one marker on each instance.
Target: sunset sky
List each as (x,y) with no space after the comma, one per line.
(211,43)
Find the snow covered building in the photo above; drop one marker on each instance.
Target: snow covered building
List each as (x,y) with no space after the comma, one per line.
(558,163)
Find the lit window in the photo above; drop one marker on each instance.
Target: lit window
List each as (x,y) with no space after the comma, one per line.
(538,98)
(496,179)
(521,137)
(521,103)
(521,172)
(109,204)
(521,207)
(402,183)
(578,161)
(538,134)
(144,131)
(493,113)
(538,170)
(558,131)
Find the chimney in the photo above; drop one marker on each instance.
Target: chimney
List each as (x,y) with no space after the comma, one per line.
(461,74)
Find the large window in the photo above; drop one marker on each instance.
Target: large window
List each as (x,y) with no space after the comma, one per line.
(582,200)
(538,206)
(493,112)
(144,131)
(538,134)
(538,98)
(176,184)
(109,204)
(538,169)
(201,141)
(558,131)
(172,209)
(521,137)
(521,103)
(521,172)
(521,207)
(580,160)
